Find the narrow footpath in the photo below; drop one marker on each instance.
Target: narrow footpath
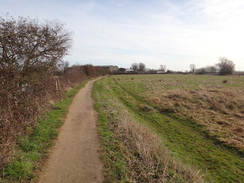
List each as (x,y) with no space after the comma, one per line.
(75,156)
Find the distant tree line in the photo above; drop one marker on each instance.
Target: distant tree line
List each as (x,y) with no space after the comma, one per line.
(224,67)
(138,67)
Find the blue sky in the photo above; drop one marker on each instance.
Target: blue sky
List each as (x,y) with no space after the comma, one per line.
(174,33)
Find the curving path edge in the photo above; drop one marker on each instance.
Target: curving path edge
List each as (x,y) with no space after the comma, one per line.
(75,156)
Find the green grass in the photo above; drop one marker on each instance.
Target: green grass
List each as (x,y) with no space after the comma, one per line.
(188,141)
(115,166)
(33,148)
(119,151)
(145,83)
(205,99)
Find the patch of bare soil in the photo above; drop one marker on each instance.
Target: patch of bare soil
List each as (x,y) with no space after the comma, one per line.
(75,156)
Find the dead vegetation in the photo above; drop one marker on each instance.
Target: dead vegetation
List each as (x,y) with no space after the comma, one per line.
(217,102)
(213,101)
(147,159)
(221,110)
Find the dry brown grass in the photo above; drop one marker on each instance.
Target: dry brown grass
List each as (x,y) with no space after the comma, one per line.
(221,110)
(148,160)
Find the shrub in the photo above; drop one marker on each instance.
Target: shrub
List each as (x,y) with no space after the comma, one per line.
(226,67)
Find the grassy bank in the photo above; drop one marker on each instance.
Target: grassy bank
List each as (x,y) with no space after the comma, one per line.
(131,151)
(32,148)
(187,139)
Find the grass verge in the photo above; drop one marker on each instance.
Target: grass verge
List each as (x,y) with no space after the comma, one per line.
(115,165)
(32,148)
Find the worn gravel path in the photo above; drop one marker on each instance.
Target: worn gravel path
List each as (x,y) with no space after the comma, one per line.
(75,156)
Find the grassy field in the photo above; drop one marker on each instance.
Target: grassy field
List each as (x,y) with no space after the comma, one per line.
(193,125)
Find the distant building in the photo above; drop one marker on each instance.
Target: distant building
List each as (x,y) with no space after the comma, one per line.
(161,72)
(121,70)
(111,68)
(129,71)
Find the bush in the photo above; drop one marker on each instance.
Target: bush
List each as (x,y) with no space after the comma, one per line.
(29,53)
(226,67)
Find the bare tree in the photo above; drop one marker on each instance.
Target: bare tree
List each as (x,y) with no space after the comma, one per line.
(225,66)
(162,68)
(134,66)
(28,46)
(63,65)
(202,70)
(141,67)
(29,53)
(211,69)
(192,68)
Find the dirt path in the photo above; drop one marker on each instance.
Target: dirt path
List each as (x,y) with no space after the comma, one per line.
(75,156)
